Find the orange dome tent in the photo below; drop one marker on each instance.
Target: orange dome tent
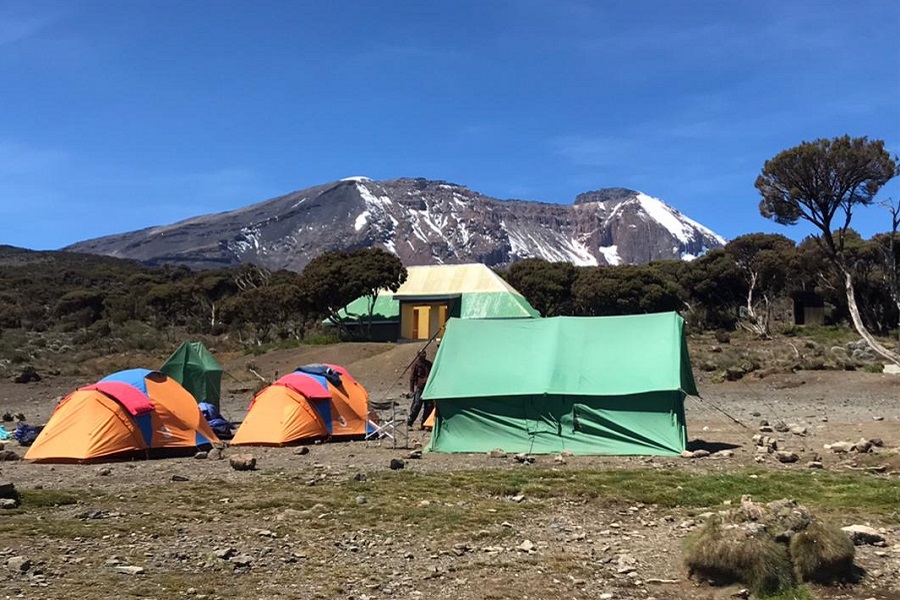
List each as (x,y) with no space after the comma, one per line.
(283,413)
(315,401)
(129,412)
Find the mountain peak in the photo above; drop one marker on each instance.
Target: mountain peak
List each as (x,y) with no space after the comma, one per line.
(423,222)
(614,194)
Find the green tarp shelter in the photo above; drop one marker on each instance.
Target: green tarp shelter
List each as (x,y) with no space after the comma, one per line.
(197,371)
(591,385)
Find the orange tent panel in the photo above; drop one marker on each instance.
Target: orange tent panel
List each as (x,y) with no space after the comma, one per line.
(86,425)
(279,415)
(349,407)
(177,421)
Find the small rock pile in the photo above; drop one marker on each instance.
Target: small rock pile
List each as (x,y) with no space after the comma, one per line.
(863,446)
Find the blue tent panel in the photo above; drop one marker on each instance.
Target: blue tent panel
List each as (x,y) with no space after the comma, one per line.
(133,377)
(146,427)
(323,407)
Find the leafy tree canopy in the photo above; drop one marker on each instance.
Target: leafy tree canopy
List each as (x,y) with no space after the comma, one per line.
(546,285)
(824,179)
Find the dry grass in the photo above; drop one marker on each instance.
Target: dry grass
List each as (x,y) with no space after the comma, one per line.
(726,556)
(823,554)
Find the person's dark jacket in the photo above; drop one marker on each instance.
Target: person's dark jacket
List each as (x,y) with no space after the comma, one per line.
(418,377)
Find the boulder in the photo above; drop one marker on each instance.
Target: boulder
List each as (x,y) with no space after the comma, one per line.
(786,457)
(8,490)
(695,454)
(242,462)
(27,375)
(19,564)
(863,446)
(840,447)
(862,535)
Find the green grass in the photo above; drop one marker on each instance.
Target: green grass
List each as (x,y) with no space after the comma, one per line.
(797,593)
(461,503)
(30,499)
(828,335)
(825,491)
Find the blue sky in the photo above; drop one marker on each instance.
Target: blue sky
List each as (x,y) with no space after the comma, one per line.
(117,115)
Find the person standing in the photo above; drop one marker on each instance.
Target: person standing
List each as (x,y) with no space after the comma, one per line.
(418,377)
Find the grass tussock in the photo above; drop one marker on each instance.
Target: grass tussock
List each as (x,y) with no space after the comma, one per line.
(769,548)
(822,553)
(725,556)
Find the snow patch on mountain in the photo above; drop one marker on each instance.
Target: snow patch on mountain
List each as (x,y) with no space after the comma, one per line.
(579,254)
(247,240)
(611,254)
(375,206)
(676,223)
(525,244)
(358,178)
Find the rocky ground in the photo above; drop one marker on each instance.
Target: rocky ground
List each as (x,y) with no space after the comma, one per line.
(337,522)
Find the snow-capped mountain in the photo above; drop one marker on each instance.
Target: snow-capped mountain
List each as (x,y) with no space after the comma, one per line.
(423,222)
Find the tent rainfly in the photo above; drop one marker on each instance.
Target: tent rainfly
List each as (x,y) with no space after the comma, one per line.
(197,371)
(590,385)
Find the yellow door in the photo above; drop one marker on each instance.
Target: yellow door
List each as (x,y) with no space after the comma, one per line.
(424,318)
(422,315)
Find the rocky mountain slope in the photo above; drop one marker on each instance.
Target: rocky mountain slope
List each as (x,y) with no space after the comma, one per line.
(423,222)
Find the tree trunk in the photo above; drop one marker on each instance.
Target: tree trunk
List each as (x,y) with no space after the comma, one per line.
(860,327)
(760,328)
